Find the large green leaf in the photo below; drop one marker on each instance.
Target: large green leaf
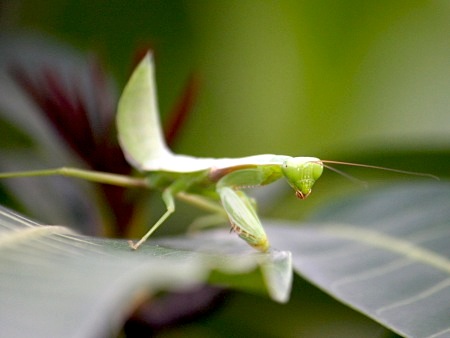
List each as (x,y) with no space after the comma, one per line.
(56,284)
(385,253)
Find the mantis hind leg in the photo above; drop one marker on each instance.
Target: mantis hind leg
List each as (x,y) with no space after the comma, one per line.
(89,175)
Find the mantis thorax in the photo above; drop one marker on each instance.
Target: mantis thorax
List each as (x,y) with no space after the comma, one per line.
(301,174)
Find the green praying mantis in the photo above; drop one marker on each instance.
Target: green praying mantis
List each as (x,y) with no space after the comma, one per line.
(210,183)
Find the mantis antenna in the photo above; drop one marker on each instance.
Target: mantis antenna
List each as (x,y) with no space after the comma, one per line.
(406,172)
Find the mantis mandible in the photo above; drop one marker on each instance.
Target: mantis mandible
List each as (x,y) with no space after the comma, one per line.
(209,183)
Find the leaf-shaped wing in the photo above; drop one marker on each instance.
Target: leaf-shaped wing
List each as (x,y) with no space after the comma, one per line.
(141,136)
(140,133)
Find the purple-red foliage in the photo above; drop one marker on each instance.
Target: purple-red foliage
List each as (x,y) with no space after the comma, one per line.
(85,121)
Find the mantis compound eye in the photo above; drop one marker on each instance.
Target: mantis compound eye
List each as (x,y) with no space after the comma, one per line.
(301,174)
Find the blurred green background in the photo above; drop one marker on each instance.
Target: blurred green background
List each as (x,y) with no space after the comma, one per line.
(290,77)
(366,81)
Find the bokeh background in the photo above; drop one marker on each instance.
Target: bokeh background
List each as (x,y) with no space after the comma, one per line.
(290,77)
(362,81)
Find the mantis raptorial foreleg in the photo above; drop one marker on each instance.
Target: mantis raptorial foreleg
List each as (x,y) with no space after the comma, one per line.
(243,218)
(251,177)
(240,208)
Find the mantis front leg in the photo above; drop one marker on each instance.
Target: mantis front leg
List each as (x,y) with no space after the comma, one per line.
(240,208)
(243,218)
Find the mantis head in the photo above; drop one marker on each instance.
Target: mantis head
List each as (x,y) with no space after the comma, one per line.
(301,174)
